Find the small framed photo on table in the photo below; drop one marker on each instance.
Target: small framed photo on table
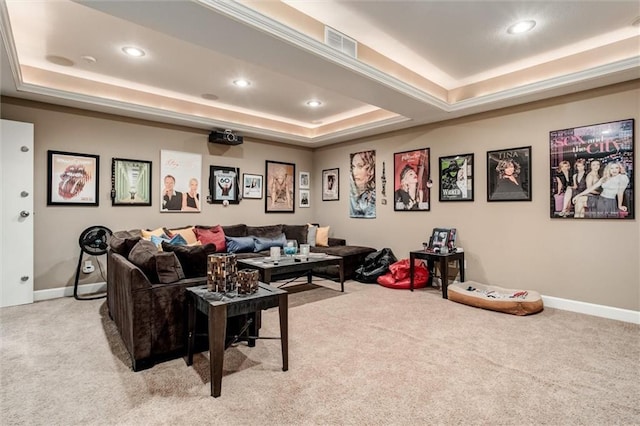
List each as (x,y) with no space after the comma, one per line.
(439,238)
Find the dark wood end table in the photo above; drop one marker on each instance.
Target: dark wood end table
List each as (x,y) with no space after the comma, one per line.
(218,308)
(443,259)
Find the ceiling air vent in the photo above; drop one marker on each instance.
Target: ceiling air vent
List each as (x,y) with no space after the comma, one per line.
(340,42)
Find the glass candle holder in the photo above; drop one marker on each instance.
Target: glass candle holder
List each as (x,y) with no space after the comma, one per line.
(248,281)
(305,249)
(274,252)
(290,248)
(222,273)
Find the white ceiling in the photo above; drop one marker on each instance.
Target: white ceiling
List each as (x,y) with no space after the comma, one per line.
(418,61)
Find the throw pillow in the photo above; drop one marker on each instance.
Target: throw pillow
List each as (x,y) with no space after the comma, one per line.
(311,235)
(192,258)
(266,243)
(299,233)
(147,233)
(157,266)
(211,235)
(322,236)
(186,232)
(168,267)
(176,240)
(266,231)
(240,244)
(122,242)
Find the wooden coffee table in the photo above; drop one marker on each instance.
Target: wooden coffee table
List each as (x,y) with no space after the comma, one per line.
(288,266)
(218,308)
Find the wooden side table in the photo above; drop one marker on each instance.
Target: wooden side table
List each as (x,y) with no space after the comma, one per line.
(443,260)
(219,308)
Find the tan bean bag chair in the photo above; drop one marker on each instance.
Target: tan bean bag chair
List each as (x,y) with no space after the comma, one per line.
(516,302)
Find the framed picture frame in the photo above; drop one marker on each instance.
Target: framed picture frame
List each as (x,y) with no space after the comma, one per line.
(72,179)
(224,183)
(362,184)
(439,238)
(252,186)
(456,177)
(280,183)
(180,180)
(130,182)
(509,174)
(331,184)
(592,171)
(305,178)
(305,198)
(411,176)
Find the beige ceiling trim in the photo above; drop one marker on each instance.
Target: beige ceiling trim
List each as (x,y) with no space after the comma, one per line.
(248,16)
(151,106)
(369,120)
(293,18)
(94,92)
(9,43)
(597,62)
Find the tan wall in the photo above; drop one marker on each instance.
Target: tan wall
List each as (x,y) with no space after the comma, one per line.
(57,228)
(509,244)
(513,244)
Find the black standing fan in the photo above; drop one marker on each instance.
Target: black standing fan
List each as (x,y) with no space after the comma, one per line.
(94,241)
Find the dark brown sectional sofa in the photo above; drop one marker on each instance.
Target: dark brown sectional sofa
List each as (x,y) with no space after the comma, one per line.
(146,299)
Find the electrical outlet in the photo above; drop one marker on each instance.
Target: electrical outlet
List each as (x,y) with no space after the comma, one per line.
(88,267)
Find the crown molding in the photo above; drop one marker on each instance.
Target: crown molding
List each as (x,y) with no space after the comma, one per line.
(265,24)
(549,84)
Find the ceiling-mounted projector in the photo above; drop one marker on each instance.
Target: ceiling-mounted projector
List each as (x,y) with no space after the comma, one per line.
(226,137)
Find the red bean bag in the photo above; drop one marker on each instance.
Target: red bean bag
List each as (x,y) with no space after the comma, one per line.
(398,275)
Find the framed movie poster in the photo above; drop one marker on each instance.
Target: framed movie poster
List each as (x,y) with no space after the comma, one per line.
(305,198)
(592,171)
(251,186)
(224,184)
(509,174)
(180,177)
(362,194)
(130,182)
(456,177)
(280,181)
(72,179)
(304,180)
(330,184)
(410,180)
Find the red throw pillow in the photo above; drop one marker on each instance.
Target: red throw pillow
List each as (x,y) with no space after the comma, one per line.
(211,235)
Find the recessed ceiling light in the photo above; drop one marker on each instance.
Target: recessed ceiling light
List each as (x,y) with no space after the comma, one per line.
(314,103)
(133,51)
(210,97)
(242,82)
(521,27)
(88,58)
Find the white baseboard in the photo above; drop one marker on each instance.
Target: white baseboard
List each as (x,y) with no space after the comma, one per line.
(54,293)
(609,312)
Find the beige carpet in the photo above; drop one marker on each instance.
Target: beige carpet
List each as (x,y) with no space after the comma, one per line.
(371,356)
